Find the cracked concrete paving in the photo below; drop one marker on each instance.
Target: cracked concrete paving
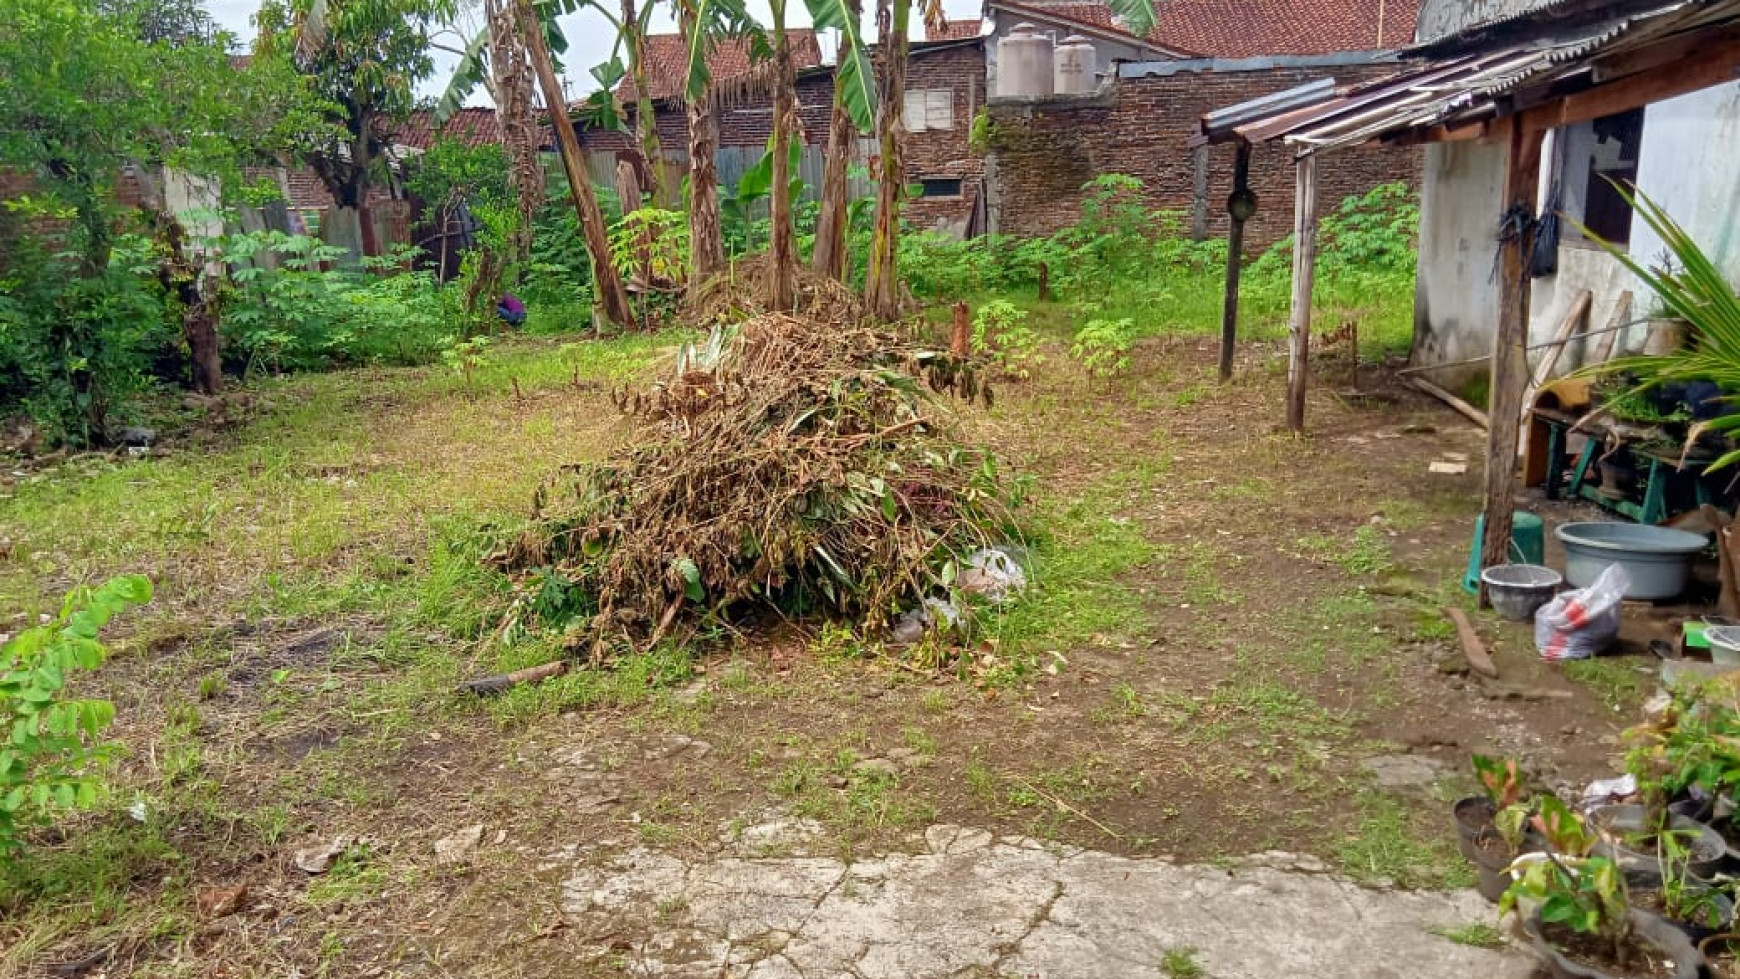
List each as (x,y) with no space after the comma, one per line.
(969,904)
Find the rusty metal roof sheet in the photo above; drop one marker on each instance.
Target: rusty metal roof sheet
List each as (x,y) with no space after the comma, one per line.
(1462,88)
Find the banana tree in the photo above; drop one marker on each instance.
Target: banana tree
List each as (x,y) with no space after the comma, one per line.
(882,283)
(854,88)
(611,297)
(830,252)
(703,23)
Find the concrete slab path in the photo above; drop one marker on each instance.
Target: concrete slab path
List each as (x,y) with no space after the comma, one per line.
(971,905)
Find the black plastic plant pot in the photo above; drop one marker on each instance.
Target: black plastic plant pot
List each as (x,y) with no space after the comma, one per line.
(1616,822)
(1473,817)
(1648,932)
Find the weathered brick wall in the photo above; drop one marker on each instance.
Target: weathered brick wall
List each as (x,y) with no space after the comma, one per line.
(1042,154)
(747,123)
(945,153)
(932,153)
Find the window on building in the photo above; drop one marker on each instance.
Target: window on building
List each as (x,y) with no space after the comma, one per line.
(1592,156)
(940,187)
(929,108)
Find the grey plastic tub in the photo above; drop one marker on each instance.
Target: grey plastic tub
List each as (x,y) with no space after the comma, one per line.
(1518,590)
(1656,558)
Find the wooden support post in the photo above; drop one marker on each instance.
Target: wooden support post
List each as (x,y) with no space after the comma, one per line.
(1304,279)
(1510,367)
(1235,247)
(1199,196)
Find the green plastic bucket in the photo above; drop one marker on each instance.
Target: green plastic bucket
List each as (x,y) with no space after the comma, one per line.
(1528,545)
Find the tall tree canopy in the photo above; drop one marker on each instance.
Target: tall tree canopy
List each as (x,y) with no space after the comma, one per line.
(364,58)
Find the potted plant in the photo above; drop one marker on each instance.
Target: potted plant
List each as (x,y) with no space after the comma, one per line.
(1579,918)
(1691,905)
(1671,755)
(1721,956)
(1492,829)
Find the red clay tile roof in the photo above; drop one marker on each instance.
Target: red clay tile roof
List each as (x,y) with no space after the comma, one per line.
(473,126)
(954,30)
(1254,28)
(667,58)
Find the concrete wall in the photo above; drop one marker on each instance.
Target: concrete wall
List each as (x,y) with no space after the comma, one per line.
(1687,166)
(1456,292)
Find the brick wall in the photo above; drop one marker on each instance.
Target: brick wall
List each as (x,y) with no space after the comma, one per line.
(1041,154)
(945,153)
(933,153)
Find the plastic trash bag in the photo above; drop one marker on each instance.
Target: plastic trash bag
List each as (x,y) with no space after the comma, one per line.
(993,575)
(1578,624)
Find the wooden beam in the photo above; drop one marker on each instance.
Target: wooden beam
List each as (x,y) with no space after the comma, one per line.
(1235,246)
(1510,367)
(1720,65)
(1695,46)
(1304,279)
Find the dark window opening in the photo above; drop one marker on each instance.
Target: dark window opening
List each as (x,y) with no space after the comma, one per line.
(940,187)
(1594,156)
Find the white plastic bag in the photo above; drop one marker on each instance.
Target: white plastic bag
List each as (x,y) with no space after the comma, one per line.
(1578,624)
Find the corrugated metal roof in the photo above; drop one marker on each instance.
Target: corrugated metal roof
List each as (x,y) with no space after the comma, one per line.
(1464,88)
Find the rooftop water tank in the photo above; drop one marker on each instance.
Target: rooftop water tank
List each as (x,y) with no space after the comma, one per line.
(1077,65)
(1024,62)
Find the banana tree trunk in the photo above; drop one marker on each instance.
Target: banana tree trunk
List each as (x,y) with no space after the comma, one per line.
(706,233)
(830,257)
(612,298)
(784,121)
(511,75)
(882,286)
(646,127)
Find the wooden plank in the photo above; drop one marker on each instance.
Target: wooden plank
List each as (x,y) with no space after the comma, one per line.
(1604,346)
(1574,317)
(1509,358)
(1718,65)
(1472,648)
(1235,246)
(1304,279)
(1534,440)
(1462,408)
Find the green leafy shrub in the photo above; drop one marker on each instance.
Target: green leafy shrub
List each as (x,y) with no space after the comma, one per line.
(51,760)
(76,351)
(1000,332)
(1103,346)
(285,313)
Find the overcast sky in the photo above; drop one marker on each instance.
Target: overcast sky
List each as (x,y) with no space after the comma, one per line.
(589,36)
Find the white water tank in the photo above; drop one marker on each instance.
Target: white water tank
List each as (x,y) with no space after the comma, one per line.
(1077,64)
(1024,62)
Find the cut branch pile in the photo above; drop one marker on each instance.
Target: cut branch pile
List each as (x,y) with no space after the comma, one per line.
(795,464)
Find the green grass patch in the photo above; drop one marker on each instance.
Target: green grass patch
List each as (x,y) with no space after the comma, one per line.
(1618,680)
(1475,934)
(1389,842)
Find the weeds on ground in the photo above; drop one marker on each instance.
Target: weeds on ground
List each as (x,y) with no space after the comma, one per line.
(1387,845)
(1180,963)
(1475,934)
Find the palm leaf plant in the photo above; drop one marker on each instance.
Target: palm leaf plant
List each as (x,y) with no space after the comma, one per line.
(1694,288)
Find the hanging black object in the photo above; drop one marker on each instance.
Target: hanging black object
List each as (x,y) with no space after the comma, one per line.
(1544,260)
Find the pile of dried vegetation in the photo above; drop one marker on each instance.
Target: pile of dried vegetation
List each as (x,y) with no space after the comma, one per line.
(794,464)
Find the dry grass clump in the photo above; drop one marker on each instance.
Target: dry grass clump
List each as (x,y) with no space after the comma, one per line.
(792,463)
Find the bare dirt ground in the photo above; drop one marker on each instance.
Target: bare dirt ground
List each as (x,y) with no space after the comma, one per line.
(1236,647)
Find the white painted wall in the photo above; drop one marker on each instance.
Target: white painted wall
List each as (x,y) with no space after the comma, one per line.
(1456,291)
(1688,165)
